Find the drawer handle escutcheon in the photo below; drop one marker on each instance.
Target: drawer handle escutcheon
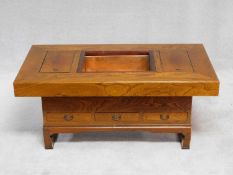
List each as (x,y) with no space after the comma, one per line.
(116,117)
(68,117)
(164,116)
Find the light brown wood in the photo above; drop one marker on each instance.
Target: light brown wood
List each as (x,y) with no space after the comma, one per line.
(113,104)
(117,117)
(120,87)
(175,61)
(49,138)
(113,113)
(177,117)
(57,62)
(194,78)
(116,61)
(122,63)
(185,139)
(64,117)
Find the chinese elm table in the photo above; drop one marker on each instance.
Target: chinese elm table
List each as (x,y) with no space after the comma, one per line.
(122,87)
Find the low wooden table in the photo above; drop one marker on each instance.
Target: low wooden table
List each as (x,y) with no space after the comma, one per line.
(145,87)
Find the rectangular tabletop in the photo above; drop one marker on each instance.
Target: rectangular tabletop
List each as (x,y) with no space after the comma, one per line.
(117,70)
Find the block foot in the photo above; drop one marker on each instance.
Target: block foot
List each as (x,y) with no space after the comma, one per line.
(185,139)
(49,139)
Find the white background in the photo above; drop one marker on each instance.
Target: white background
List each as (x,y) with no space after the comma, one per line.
(27,22)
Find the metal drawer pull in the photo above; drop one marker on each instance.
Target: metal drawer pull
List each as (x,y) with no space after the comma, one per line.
(68,117)
(116,117)
(164,116)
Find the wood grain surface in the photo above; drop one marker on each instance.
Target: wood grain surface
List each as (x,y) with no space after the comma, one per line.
(114,111)
(180,70)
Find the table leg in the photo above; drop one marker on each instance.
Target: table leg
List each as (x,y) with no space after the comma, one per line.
(185,138)
(49,138)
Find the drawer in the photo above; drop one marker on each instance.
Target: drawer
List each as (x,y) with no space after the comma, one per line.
(68,117)
(117,117)
(112,118)
(174,118)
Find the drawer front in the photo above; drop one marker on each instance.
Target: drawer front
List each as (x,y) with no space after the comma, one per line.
(111,118)
(117,117)
(166,117)
(68,118)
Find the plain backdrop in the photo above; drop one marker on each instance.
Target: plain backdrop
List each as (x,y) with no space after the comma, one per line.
(27,22)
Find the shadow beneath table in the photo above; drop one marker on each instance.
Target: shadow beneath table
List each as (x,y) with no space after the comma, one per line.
(121,136)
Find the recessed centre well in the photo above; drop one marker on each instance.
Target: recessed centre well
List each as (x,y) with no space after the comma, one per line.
(115,61)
